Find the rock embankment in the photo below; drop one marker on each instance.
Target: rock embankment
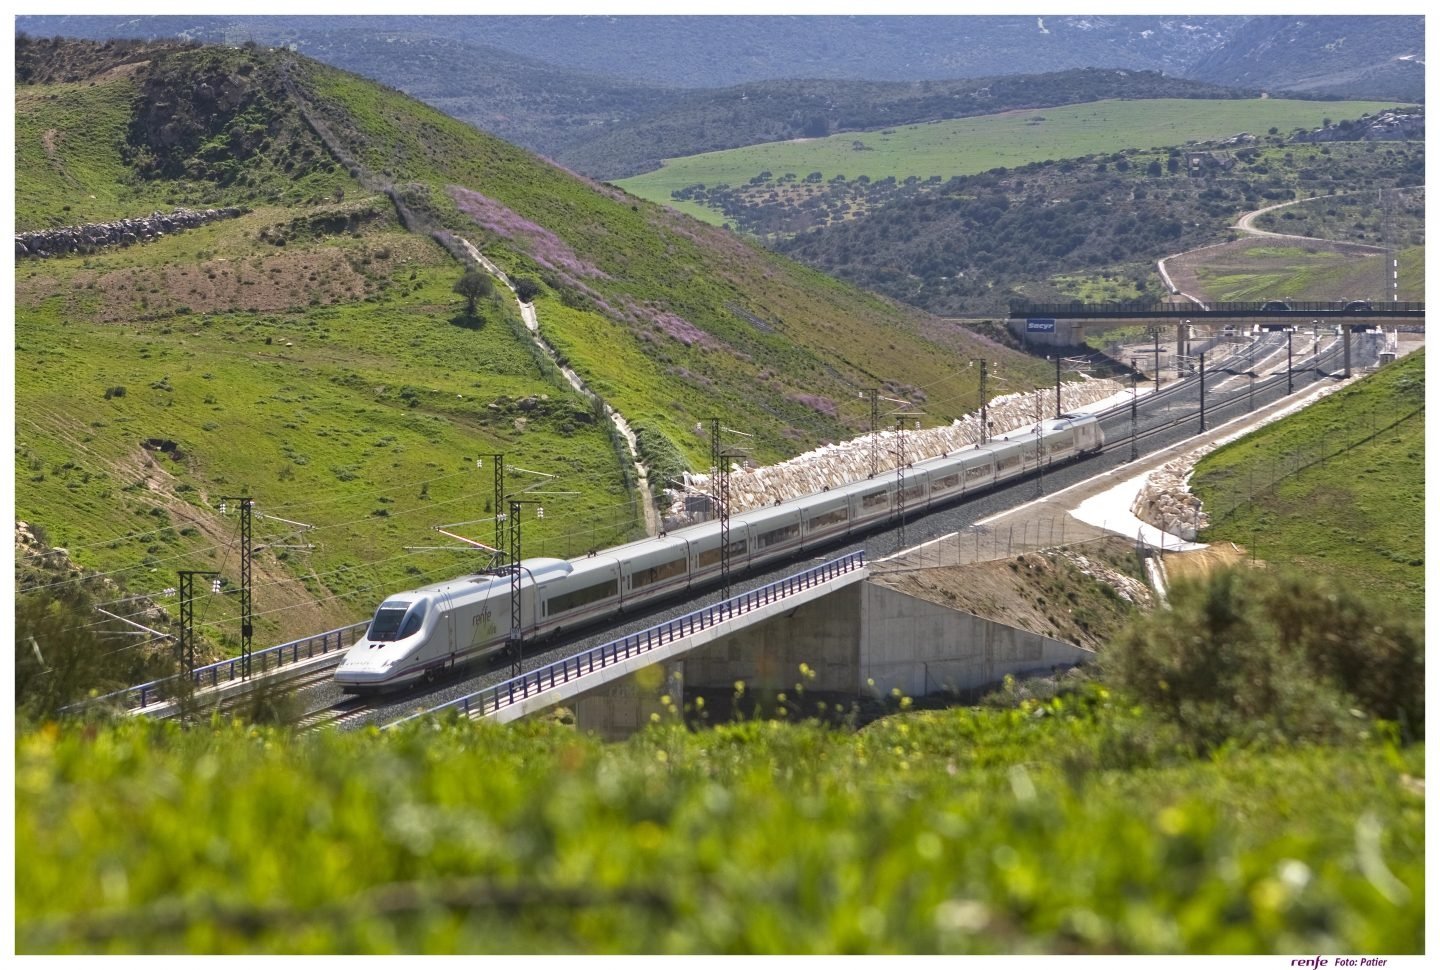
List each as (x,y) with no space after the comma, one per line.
(1166,502)
(122,232)
(831,466)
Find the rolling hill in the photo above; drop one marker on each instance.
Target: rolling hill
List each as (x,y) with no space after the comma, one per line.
(308,351)
(611,96)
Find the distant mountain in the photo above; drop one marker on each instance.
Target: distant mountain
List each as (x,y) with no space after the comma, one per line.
(610,96)
(1373,57)
(707,52)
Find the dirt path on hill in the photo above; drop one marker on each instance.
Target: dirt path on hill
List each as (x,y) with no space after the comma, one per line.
(532,324)
(1180,271)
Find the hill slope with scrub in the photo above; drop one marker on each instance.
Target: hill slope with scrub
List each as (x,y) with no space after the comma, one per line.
(308,350)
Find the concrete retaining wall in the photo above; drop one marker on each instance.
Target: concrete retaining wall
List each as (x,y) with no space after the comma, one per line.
(622,707)
(823,634)
(921,647)
(861,638)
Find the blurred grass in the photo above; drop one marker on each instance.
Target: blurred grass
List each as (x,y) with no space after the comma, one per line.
(1069,826)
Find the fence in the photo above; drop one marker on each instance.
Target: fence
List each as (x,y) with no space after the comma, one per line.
(510,692)
(226,671)
(987,543)
(1230,490)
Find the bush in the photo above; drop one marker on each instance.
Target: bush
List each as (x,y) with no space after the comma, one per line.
(1276,655)
(526,289)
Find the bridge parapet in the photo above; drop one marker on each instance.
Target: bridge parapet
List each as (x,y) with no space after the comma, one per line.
(1247,308)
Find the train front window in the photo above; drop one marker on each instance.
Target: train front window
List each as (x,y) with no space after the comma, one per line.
(386,624)
(413,619)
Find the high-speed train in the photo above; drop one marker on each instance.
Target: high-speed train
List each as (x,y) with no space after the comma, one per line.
(421,632)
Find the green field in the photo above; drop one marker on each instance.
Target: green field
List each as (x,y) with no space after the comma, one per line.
(361,415)
(966,146)
(1266,271)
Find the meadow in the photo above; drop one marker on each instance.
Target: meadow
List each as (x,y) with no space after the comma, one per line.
(943,149)
(362,414)
(1271,269)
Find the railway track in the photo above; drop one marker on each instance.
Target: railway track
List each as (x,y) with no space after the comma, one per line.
(349,710)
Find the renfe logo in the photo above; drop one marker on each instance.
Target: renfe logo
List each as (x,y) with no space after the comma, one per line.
(1316,961)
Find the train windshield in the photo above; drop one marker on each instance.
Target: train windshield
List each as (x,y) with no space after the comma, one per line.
(395,621)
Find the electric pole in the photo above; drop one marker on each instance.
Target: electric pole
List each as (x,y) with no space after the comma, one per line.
(1134,410)
(246,628)
(720,494)
(984,400)
(900,472)
(186,648)
(1289,360)
(874,394)
(1202,392)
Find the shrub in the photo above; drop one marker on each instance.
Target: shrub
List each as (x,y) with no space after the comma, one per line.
(526,289)
(1270,655)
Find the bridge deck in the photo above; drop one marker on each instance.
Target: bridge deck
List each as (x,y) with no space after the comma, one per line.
(544,687)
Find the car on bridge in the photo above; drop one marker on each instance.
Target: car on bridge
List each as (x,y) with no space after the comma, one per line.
(1276,305)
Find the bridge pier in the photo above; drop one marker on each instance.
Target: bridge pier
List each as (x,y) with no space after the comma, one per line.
(860,639)
(622,707)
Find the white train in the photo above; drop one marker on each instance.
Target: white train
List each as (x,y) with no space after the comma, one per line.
(426,630)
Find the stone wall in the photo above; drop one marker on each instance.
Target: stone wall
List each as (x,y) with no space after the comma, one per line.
(122,232)
(831,466)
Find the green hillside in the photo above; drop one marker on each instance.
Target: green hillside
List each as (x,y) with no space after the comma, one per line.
(1336,490)
(310,353)
(966,146)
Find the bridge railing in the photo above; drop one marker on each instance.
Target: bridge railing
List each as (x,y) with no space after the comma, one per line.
(502,695)
(224,671)
(1378,308)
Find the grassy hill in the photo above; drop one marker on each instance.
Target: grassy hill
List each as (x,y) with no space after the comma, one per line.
(310,353)
(1009,139)
(1336,490)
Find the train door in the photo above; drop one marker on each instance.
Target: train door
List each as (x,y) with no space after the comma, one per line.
(448,605)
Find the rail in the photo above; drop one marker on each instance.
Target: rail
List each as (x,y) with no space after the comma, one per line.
(516,689)
(225,671)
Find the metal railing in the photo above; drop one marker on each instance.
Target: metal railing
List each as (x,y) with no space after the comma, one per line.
(224,671)
(1265,308)
(516,689)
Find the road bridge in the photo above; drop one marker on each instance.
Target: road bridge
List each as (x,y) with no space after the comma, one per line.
(1065,324)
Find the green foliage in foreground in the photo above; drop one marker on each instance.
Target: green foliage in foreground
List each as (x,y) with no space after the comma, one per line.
(1274,654)
(1066,826)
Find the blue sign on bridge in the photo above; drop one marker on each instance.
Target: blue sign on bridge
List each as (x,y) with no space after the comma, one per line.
(1040,325)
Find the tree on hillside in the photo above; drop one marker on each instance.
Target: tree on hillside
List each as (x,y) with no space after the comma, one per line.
(526,289)
(474,286)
